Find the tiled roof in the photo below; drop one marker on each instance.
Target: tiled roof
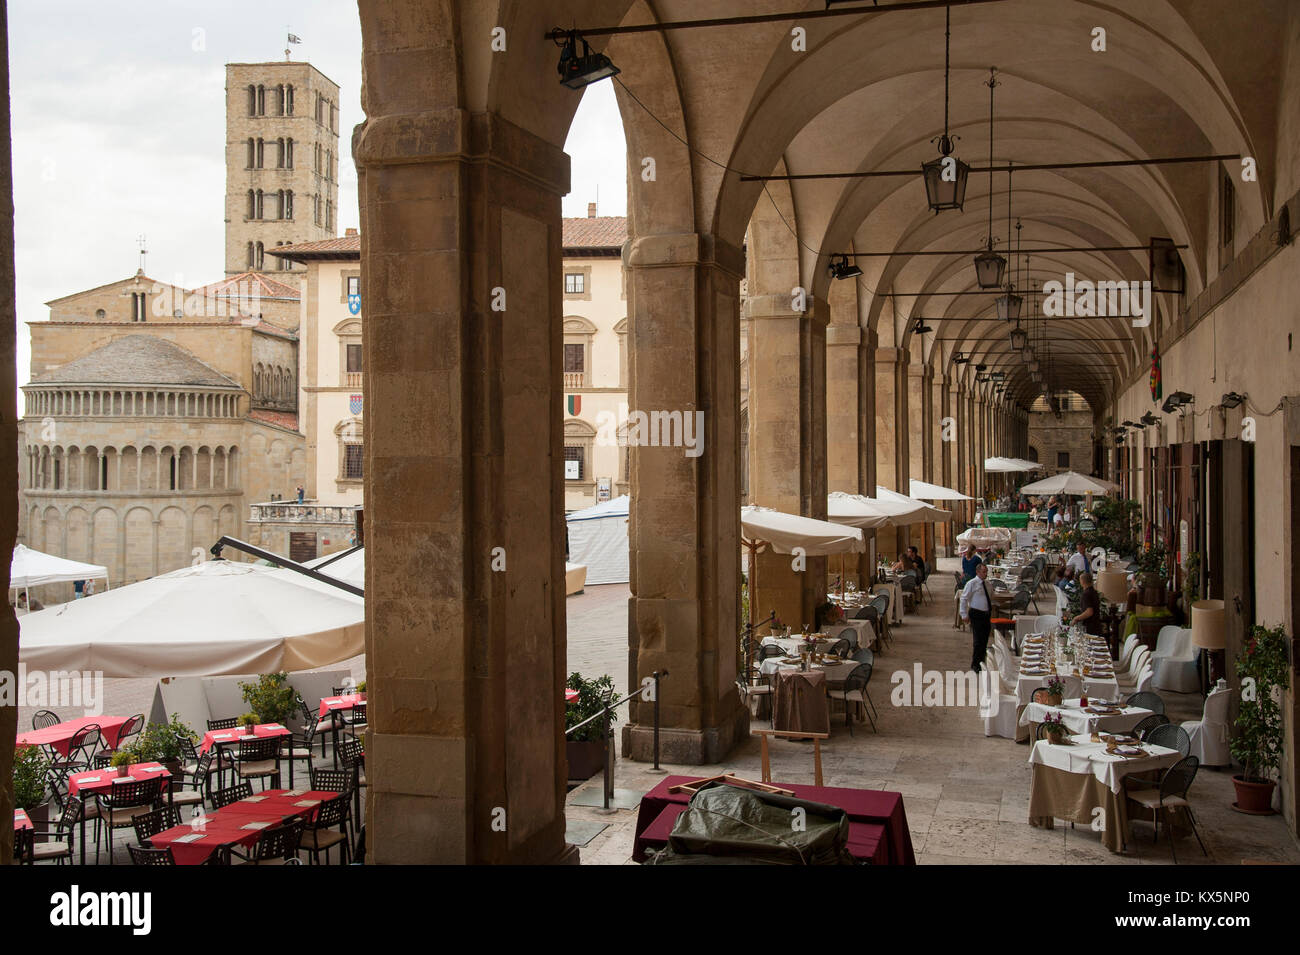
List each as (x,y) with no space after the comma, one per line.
(281,419)
(595,232)
(137,360)
(343,247)
(249,283)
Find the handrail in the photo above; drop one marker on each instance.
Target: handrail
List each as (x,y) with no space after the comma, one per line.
(604,715)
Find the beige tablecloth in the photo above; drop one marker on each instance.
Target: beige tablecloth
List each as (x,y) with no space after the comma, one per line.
(801,704)
(895,599)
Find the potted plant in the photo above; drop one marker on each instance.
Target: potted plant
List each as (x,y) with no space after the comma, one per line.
(1262,669)
(159,743)
(1054,728)
(585,747)
(1151,575)
(30,771)
(122,760)
(249,722)
(272,698)
(1055,691)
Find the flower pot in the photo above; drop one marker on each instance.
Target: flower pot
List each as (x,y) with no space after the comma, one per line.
(1255,798)
(1151,589)
(586,759)
(123,770)
(1054,699)
(250,730)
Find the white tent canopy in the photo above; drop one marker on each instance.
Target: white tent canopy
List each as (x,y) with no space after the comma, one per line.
(934,492)
(858,510)
(1003,465)
(216,618)
(783,532)
(350,568)
(924,514)
(598,539)
(31,568)
(1067,482)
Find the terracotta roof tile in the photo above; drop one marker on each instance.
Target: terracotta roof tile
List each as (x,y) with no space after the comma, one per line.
(248,283)
(281,419)
(342,247)
(137,360)
(595,232)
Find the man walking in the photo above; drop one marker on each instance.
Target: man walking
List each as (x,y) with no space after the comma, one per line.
(976,610)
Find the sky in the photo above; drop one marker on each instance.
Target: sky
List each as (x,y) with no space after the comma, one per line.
(119,131)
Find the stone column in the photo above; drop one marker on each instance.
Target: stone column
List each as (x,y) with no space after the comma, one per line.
(787,424)
(888,424)
(850,412)
(461,246)
(917,441)
(684,532)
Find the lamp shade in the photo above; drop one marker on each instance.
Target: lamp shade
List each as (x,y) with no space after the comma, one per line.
(1009,307)
(1207,624)
(1113,585)
(989,268)
(945,182)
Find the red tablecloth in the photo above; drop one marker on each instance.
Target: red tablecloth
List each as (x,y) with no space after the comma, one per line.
(232,737)
(101,780)
(867,808)
(225,827)
(570,696)
(21,821)
(60,734)
(336,704)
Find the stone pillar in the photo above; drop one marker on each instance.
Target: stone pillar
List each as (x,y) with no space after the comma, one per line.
(887,438)
(850,413)
(787,443)
(917,442)
(8,438)
(684,612)
(461,246)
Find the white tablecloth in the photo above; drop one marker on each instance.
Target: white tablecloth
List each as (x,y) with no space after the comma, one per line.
(1080,721)
(791,645)
(1085,756)
(1102,689)
(834,674)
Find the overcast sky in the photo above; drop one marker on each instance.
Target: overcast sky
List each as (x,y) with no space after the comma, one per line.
(119,131)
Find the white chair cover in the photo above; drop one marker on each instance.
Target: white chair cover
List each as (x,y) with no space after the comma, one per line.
(1144,680)
(1047,622)
(1174,661)
(1209,734)
(1062,602)
(1002,721)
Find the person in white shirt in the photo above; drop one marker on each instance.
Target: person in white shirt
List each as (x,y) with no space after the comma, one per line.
(976,609)
(1079,559)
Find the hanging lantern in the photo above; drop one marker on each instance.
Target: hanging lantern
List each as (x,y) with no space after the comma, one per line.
(945,177)
(1009,305)
(1018,337)
(989,268)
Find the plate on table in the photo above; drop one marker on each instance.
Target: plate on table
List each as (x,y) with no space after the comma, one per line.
(1131,751)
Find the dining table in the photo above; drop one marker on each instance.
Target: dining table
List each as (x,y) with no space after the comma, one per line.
(58,738)
(799,701)
(223,739)
(1099,715)
(21,820)
(1080,781)
(239,824)
(92,782)
(878,830)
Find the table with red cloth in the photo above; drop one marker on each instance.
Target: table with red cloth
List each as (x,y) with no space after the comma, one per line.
(337,704)
(570,696)
(233,737)
(232,826)
(91,781)
(59,736)
(877,823)
(21,821)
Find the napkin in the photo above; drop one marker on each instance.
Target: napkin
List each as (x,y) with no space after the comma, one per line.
(307,802)
(294,792)
(222,735)
(151,769)
(255,825)
(191,837)
(253,798)
(81,780)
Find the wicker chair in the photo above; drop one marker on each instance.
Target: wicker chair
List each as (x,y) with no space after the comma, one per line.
(1169,795)
(1148,701)
(1148,723)
(1170,736)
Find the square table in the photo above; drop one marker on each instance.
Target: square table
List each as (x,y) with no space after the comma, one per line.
(233,737)
(239,824)
(869,807)
(1083,721)
(92,781)
(800,703)
(339,704)
(59,736)
(1075,779)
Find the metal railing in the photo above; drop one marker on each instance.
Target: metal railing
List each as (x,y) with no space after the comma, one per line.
(605,715)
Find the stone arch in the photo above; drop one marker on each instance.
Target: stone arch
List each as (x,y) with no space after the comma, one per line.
(105,541)
(138,531)
(77,525)
(203,531)
(173,539)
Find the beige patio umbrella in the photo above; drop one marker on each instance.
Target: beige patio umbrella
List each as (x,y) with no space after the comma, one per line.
(763,527)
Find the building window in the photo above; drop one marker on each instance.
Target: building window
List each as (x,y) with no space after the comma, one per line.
(137,307)
(261,149)
(252,100)
(252,153)
(353,462)
(329,163)
(1227,213)
(1063,459)
(288,154)
(574,463)
(575,361)
(250,255)
(288,100)
(261,101)
(100,313)
(354,359)
(252,204)
(259,255)
(574,283)
(354,285)
(259,205)
(315,202)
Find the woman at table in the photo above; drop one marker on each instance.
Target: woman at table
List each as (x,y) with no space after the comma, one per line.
(969,561)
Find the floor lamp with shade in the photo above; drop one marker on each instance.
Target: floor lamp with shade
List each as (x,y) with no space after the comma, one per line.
(1113,585)
(1207,633)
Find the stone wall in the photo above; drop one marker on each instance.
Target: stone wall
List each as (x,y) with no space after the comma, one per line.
(1072,434)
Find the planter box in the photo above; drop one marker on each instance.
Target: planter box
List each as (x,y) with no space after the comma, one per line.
(585,759)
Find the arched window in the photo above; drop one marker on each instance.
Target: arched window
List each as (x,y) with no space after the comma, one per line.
(287,208)
(280,102)
(250,255)
(279,153)
(315,204)
(288,154)
(329,163)
(252,100)
(252,204)
(288,100)
(261,101)
(252,153)
(260,253)
(260,207)
(260,150)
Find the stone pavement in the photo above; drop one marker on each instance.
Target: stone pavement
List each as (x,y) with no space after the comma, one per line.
(966,795)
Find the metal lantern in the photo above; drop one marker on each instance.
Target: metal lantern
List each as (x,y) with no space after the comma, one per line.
(1009,305)
(945,178)
(989,269)
(1018,338)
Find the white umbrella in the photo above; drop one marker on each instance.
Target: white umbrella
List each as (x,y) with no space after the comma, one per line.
(922,514)
(1067,482)
(934,492)
(350,567)
(783,532)
(213,619)
(31,568)
(858,510)
(1004,465)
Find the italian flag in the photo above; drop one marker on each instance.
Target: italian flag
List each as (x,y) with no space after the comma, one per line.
(575,404)
(1155,374)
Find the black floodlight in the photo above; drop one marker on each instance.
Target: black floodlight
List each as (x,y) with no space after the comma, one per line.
(579,71)
(842,268)
(1232,399)
(1177,400)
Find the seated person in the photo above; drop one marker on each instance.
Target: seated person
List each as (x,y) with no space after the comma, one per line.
(969,561)
(1064,577)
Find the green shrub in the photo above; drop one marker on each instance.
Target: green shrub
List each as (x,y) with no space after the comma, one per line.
(30,768)
(593,695)
(272,698)
(1264,672)
(158,743)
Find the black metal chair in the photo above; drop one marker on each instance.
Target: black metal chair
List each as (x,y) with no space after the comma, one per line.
(24,846)
(102,760)
(771,650)
(321,834)
(131,728)
(143,855)
(1147,700)
(1040,695)
(855,691)
(149,824)
(225,723)
(278,844)
(300,745)
(841,648)
(45,719)
(864,655)
(1170,736)
(352,753)
(1042,730)
(325,725)
(224,797)
(259,758)
(1171,794)
(124,801)
(59,847)
(81,755)
(333,781)
(1148,723)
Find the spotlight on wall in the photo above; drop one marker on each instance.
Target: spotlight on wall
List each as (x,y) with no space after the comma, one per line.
(579,71)
(1232,399)
(842,268)
(1149,419)
(920,328)
(959,359)
(981,367)
(1178,399)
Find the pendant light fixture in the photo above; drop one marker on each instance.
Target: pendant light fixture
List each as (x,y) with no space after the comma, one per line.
(945,177)
(1009,302)
(989,266)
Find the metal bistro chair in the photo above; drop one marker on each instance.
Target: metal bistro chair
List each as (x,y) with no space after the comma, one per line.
(199,778)
(45,719)
(224,797)
(149,824)
(1148,701)
(259,758)
(143,855)
(327,830)
(352,753)
(324,724)
(333,781)
(278,845)
(855,691)
(1169,795)
(841,648)
(1148,723)
(60,847)
(130,728)
(1170,736)
(119,807)
(81,755)
(771,650)
(225,723)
